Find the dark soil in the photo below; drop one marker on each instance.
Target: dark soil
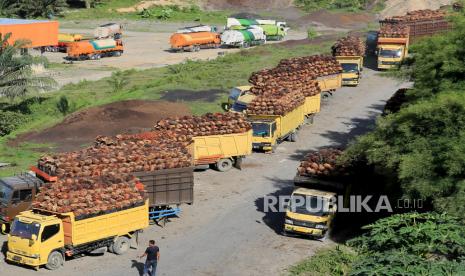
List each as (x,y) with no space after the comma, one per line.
(338,20)
(80,128)
(190,95)
(315,41)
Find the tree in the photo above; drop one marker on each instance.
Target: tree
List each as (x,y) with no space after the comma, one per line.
(32,8)
(411,244)
(16,76)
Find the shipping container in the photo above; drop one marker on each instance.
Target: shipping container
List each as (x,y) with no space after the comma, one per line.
(39,33)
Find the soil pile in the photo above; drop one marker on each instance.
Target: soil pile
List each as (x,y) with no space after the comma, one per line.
(401,7)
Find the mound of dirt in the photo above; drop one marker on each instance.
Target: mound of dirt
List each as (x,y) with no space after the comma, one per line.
(81,128)
(338,20)
(401,7)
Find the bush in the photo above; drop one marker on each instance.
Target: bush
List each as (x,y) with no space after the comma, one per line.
(118,81)
(335,261)
(65,106)
(10,121)
(312,5)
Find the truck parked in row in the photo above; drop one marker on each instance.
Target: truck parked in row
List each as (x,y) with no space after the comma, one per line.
(243,38)
(41,237)
(223,151)
(274,30)
(95,49)
(194,41)
(271,130)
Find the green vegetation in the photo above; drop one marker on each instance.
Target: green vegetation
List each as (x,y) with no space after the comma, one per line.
(32,8)
(118,80)
(107,10)
(222,73)
(404,244)
(349,5)
(329,261)
(16,78)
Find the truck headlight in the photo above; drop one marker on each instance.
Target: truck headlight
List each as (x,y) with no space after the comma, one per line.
(321,226)
(288,221)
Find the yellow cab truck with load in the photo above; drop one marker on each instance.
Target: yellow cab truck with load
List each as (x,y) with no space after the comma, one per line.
(392,46)
(270,130)
(349,52)
(40,237)
(223,151)
(315,216)
(330,83)
(241,96)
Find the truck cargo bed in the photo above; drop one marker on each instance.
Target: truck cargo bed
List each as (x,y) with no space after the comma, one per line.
(168,187)
(318,183)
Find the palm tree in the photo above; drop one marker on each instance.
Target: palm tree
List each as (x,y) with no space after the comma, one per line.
(16,76)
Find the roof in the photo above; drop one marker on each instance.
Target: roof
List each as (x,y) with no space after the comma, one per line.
(20,181)
(312,192)
(13,21)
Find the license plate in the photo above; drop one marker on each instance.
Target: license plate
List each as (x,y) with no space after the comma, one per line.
(16,258)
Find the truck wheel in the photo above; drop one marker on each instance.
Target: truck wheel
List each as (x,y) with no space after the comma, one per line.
(246,45)
(117,54)
(121,245)
(54,261)
(293,137)
(224,165)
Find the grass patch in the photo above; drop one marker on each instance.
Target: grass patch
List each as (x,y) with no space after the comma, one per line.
(222,73)
(332,261)
(169,13)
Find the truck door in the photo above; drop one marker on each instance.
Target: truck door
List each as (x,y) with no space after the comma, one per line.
(20,201)
(50,238)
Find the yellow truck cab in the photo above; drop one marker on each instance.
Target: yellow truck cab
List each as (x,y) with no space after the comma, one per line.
(238,96)
(270,130)
(315,216)
(43,238)
(352,67)
(391,51)
(314,221)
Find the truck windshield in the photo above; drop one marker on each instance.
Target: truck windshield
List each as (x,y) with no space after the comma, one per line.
(261,129)
(5,193)
(314,205)
(24,230)
(239,107)
(349,67)
(387,53)
(234,94)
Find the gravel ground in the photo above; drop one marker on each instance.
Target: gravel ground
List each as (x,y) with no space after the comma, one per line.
(226,232)
(142,50)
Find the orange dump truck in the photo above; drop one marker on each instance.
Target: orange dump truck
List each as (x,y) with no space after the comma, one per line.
(194,41)
(94,49)
(39,33)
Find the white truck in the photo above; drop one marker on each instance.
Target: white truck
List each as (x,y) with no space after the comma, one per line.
(243,38)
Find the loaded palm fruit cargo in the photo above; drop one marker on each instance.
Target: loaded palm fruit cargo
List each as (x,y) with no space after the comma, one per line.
(90,196)
(349,46)
(420,23)
(321,163)
(220,139)
(122,154)
(277,102)
(393,31)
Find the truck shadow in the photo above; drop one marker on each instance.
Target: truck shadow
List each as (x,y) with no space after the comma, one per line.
(273,218)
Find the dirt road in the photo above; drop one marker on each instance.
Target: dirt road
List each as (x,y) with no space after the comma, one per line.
(142,50)
(226,232)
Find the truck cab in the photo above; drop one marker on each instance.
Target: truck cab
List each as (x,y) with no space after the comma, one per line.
(35,240)
(391,52)
(352,67)
(264,134)
(309,212)
(238,98)
(16,195)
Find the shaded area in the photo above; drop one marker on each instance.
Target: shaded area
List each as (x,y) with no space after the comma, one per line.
(139,266)
(192,95)
(81,128)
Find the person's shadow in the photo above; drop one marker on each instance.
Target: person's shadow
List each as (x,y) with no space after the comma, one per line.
(139,266)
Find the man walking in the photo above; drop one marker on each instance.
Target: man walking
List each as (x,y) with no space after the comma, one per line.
(153,256)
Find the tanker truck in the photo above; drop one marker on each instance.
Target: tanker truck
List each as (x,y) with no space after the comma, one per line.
(197,29)
(243,38)
(94,49)
(194,41)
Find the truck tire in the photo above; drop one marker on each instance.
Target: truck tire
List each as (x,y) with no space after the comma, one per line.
(293,137)
(117,54)
(121,245)
(246,45)
(224,165)
(54,261)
